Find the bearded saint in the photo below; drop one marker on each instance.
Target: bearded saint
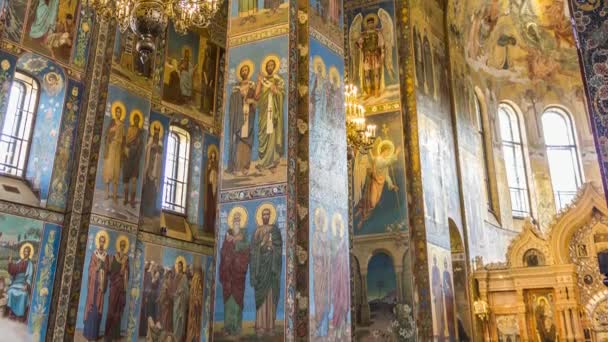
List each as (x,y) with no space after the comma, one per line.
(339,280)
(321,265)
(270,94)
(195,310)
(118,275)
(181,292)
(96,289)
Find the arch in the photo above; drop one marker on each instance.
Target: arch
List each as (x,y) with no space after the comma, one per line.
(381,288)
(534,258)
(460,279)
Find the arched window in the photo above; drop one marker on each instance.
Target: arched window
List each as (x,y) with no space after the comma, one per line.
(562,154)
(484,151)
(16,133)
(176,170)
(513,151)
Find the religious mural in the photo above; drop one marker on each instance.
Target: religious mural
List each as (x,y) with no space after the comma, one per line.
(126,62)
(120,169)
(250,276)
(255,123)
(107,277)
(252,15)
(373,54)
(326,16)
(329,294)
(210,182)
(153,174)
(442,293)
(508,328)
(51,27)
(379,198)
(381,295)
(190,74)
(541,315)
(175,299)
(28,256)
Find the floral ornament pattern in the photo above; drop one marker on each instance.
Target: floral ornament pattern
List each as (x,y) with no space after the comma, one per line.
(590,19)
(82,41)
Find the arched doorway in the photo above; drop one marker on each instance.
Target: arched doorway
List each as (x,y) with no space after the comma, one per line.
(461,283)
(381,291)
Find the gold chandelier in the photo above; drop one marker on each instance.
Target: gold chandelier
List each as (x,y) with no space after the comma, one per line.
(148,18)
(359,135)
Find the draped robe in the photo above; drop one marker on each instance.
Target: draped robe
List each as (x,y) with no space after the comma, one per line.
(133,153)
(19,290)
(265,274)
(321,250)
(340,280)
(181,292)
(437,289)
(46,18)
(234,260)
(195,310)
(241,118)
(96,289)
(270,120)
(118,276)
(113,152)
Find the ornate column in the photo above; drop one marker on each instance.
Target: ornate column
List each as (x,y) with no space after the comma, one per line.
(284,170)
(365,312)
(64,305)
(589,18)
(521,316)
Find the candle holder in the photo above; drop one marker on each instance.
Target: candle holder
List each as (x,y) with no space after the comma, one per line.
(360,136)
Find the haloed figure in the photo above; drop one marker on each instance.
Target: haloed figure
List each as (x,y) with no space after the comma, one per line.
(132,155)
(118,275)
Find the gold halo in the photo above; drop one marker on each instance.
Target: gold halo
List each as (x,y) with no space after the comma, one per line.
(161,129)
(212,148)
(183,260)
(318,61)
(134,113)
(320,213)
(99,235)
(261,208)
(388,143)
(242,211)
(119,104)
(125,239)
(337,222)
(27,244)
(373,16)
(277,62)
(334,74)
(246,62)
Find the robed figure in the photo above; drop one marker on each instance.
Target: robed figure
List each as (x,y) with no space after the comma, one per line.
(181,294)
(112,156)
(318,89)
(438,300)
(97,282)
(195,310)
(448,298)
(427,55)
(270,93)
(132,156)
(153,163)
(234,260)
(45,19)
(241,120)
(146,298)
(265,269)
(118,276)
(18,292)
(165,302)
(211,179)
(340,277)
(321,256)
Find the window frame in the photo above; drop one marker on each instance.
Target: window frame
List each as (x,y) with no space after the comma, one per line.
(31,87)
(572,146)
(482,130)
(516,128)
(182,138)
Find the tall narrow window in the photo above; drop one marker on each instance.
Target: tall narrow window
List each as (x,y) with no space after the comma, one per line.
(176,170)
(16,132)
(513,151)
(562,154)
(484,151)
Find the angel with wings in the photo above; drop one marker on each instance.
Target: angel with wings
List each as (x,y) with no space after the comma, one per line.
(371,42)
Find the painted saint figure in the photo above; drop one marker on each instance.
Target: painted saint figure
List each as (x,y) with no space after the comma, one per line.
(45,19)
(234,260)
(186,74)
(321,249)
(241,118)
(211,179)
(340,278)
(97,281)
(118,276)
(195,310)
(335,11)
(376,170)
(448,298)
(265,269)
(181,294)
(318,90)
(372,42)
(20,288)
(438,300)
(270,94)
(165,301)
(133,150)
(113,150)
(152,169)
